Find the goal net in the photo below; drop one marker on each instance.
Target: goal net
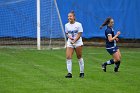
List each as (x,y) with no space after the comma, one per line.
(31,24)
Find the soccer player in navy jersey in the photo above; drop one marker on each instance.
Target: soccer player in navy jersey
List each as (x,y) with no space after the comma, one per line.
(111,46)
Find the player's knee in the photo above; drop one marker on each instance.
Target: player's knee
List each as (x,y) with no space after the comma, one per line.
(120,57)
(79,56)
(117,59)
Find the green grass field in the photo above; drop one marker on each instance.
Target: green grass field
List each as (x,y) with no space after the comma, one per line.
(32,71)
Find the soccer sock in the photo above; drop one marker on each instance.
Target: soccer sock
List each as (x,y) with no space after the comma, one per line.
(69,65)
(109,62)
(117,64)
(81,65)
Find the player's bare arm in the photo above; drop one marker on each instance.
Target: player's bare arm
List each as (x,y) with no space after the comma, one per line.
(110,38)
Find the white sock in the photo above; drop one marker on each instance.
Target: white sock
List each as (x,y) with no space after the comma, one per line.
(81,65)
(69,65)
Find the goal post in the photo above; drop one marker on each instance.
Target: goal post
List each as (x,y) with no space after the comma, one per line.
(53,9)
(60,20)
(33,24)
(38,25)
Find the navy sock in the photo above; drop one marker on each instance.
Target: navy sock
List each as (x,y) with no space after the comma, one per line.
(112,61)
(117,64)
(109,62)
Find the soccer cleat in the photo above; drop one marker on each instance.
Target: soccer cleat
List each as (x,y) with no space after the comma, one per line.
(69,75)
(115,69)
(81,75)
(103,67)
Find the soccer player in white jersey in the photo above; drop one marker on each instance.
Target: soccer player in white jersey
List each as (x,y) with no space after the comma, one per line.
(74,31)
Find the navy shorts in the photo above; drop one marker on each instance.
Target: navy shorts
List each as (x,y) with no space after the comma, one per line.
(111,51)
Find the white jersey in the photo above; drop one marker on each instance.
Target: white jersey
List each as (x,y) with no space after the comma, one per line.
(72,30)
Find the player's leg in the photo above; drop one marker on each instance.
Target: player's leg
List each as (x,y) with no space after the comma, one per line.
(109,62)
(118,50)
(69,53)
(80,60)
(117,60)
(116,57)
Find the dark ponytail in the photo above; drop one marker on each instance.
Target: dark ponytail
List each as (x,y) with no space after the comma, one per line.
(106,22)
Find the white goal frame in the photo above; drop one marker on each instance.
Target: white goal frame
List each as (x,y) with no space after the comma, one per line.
(39,24)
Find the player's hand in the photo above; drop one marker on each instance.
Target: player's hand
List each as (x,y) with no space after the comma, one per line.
(72,42)
(71,38)
(118,33)
(117,39)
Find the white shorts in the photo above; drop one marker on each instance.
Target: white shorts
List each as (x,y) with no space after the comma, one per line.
(75,45)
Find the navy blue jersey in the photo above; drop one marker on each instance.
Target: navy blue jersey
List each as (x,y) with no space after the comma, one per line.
(109,31)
